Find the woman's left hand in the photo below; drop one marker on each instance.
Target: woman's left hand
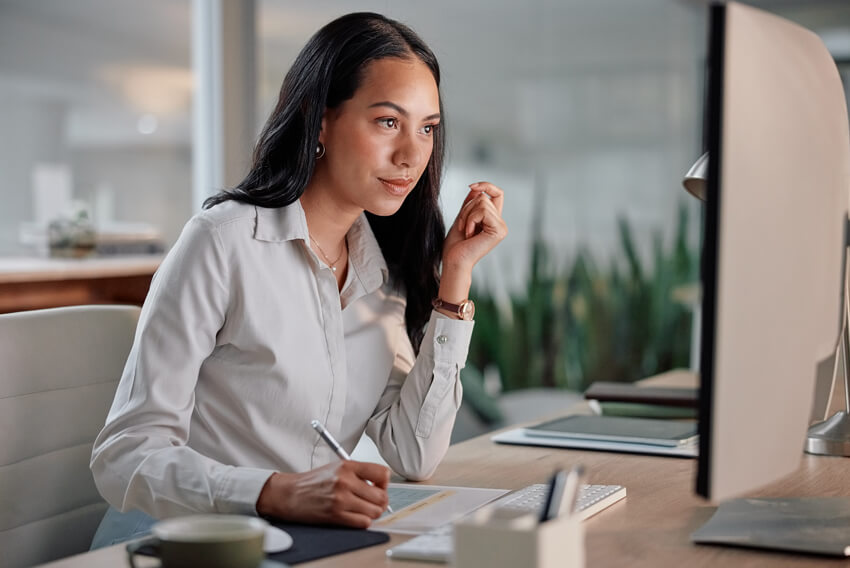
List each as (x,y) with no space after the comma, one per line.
(478,228)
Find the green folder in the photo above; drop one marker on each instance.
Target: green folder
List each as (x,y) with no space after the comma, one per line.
(639,410)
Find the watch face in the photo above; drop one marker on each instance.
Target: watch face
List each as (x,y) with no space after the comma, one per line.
(467,310)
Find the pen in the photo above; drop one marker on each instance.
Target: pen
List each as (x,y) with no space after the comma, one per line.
(554,496)
(338,450)
(572,486)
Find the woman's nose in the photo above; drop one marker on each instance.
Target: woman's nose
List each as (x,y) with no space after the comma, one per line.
(408,154)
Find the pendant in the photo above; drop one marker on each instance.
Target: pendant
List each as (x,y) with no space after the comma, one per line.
(333,268)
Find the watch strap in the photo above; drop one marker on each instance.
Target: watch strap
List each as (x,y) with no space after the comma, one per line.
(443,305)
(463,311)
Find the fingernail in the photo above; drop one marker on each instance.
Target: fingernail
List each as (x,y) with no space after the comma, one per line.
(475,184)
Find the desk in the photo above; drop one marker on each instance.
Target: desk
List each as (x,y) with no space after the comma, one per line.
(29,283)
(649,528)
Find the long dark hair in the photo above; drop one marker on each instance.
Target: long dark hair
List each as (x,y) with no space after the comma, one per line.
(326,73)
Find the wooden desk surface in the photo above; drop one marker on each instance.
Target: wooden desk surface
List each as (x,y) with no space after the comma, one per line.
(649,528)
(31,283)
(38,269)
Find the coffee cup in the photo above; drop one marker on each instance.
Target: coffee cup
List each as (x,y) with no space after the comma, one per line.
(212,541)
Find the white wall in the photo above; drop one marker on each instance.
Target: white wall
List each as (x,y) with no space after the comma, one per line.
(151,184)
(31,132)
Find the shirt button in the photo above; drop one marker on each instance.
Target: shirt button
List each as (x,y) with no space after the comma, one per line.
(442,339)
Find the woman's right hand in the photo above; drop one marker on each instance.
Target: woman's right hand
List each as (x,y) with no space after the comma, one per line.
(336,494)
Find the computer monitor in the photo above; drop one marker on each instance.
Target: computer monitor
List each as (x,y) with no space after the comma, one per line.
(776,206)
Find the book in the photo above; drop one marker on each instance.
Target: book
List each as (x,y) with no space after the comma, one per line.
(628,392)
(639,410)
(645,431)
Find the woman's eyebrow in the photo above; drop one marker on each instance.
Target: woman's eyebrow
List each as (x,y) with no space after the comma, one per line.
(401,110)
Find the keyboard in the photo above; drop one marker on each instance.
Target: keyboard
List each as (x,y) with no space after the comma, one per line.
(436,545)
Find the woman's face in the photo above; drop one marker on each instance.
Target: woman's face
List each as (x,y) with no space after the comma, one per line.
(379,142)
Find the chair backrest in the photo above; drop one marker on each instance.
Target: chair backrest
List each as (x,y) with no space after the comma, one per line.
(59,369)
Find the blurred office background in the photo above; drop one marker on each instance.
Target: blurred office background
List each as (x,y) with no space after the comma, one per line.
(587,112)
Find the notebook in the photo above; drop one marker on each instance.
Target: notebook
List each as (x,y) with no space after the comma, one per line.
(610,433)
(618,429)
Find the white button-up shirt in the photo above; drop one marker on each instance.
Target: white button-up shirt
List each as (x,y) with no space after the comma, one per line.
(243,340)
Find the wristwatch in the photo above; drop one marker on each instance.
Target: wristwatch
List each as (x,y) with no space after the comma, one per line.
(464,311)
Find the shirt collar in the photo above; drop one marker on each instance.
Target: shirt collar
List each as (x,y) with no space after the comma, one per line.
(289,223)
(279,224)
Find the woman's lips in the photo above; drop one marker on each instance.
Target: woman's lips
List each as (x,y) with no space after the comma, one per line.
(397,186)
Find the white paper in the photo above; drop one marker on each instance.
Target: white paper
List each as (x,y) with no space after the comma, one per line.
(420,508)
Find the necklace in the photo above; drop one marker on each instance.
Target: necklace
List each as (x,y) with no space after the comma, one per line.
(327,258)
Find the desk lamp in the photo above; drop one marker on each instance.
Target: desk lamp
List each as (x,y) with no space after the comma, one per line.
(830,437)
(694,181)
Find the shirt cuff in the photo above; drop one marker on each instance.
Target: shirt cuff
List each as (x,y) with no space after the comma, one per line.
(239,490)
(448,337)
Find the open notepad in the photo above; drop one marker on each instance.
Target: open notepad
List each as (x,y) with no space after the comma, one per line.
(611,433)
(420,508)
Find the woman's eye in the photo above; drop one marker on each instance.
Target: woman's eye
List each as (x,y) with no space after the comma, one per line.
(429,129)
(388,122)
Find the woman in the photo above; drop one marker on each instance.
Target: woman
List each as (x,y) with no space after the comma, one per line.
(312,290)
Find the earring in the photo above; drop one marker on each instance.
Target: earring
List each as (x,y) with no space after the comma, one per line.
(320,150)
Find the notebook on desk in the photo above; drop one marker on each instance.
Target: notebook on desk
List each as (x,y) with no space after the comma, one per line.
(618,429)
(609,433)
(419,508)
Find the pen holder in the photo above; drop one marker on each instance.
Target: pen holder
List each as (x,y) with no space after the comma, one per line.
(499,538)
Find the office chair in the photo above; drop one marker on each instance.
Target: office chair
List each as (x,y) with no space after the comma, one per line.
(59,369)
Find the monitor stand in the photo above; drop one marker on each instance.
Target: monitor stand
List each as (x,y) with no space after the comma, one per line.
(812,525)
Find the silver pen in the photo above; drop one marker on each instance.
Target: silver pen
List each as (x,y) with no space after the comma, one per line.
(572,487)
(338,450)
